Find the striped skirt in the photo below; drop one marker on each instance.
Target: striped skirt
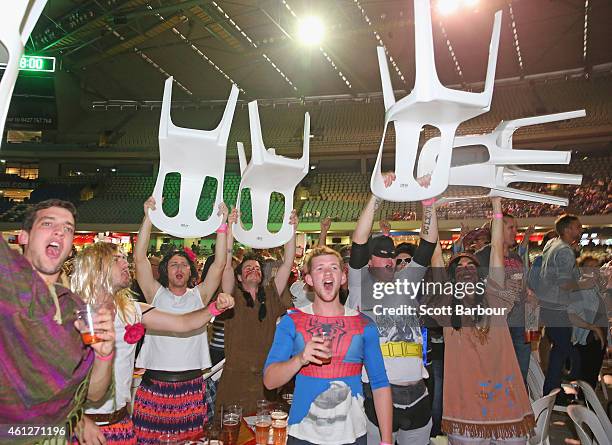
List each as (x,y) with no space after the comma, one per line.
(176,408)
(120,433)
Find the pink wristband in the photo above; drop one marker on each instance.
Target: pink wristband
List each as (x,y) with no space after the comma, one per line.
(222,228)
(107,358)
(428,202)
(384,443)
(214,310)
(498,215)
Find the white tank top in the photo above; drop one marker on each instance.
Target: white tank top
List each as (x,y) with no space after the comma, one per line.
(166,351)
(123,368)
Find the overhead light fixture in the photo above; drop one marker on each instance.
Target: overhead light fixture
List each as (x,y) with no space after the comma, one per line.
(446,7)
(311,30)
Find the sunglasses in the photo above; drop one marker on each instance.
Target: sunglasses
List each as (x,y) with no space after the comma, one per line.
(399,261)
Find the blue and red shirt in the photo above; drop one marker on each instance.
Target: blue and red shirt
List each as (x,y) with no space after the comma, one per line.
(327,403)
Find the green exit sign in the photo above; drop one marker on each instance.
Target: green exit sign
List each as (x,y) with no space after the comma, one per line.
(37,63)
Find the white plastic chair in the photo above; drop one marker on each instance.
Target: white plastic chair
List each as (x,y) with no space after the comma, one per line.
(266,173)
(581,416)
(195,154)
(535,378)
(535,381)
(500,170)
(215,372)
(595,405)
(542,410)
(17,19)
(428,103)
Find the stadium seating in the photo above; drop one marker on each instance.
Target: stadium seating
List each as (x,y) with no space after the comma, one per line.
(339,195)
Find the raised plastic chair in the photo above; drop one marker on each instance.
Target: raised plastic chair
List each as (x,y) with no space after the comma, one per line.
(542,410)
(195,154)
(595,405)
(500,170)
(266,173)
(581,416)
(17,19)
(428,103)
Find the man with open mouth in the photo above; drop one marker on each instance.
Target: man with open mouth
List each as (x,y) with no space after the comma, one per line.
(326,345)
(174,363)
(48,373)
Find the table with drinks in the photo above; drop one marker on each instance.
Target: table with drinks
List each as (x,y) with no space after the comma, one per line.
(267,427)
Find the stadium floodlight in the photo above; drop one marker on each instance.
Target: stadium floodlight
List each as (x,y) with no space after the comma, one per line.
(446,7)
(311,30)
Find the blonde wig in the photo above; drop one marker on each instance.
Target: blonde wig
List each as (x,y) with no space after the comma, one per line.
(92,280)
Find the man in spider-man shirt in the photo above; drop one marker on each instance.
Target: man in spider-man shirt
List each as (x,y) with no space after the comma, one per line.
(327,406)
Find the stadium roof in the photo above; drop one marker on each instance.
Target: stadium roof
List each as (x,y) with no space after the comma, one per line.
(120,49)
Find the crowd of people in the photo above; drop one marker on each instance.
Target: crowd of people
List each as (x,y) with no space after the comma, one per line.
(353,333)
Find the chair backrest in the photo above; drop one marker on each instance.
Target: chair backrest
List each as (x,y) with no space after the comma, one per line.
(195,154)
(542,411)
(595,405)
(429,103)
(500,169)
(17,19)
(535,378)
(582,416)
(264,174)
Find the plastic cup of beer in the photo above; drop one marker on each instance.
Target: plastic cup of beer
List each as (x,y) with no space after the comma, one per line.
(232,415)
(262,428)
(279,431)
(263,407)
(279,426)
(328,339)
(86,318)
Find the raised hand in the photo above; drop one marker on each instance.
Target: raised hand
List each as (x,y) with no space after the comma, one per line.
(424,181)
(149,204)
(388,179)
(326,224)
(293,219)
(224,302)
(385,227)
(223,212)
(233,216)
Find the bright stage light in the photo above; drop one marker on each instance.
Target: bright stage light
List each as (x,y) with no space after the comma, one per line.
(311,30)
(446,7)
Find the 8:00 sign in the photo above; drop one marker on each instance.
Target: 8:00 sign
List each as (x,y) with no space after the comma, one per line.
(37,63)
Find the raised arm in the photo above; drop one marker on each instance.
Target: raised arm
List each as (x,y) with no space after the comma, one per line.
(458,243)
(209,286)
(496,263)
(159,320)
(284,271)
(228,281)
(429,226)
(144,275)
(366,219)
(325,225)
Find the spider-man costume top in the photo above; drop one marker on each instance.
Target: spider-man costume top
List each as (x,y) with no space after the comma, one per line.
(328,399)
